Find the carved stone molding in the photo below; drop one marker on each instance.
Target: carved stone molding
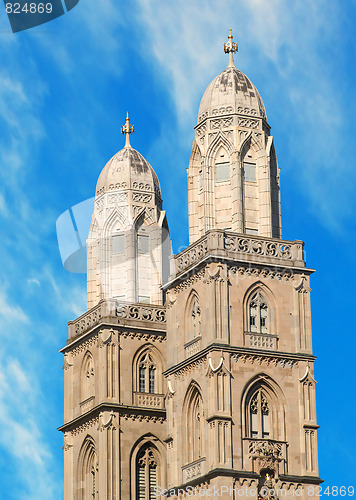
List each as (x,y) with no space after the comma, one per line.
(142,336)
(87,344)
(84,427)
(265,359)
(221,123)
(248,123)
(138,311)
(67,442)
(268,454)
(117,198)
(222,110)
(106,421)
(215,272)
(182,372)
(141,197)
(190,281)
(201,130)
(144,418)
(68,362)
(302,286)
(307,377)
(141,186)
(170,392)
(107,337)
(242,271)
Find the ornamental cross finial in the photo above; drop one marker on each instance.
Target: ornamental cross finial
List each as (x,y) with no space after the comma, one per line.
(127,129)
(230,48)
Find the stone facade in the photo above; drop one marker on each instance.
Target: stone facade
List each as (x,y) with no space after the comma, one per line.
(204,378)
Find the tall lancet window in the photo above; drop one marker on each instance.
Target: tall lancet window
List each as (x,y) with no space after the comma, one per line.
(259,416)
(195,427)
(196,318)
(258,314)
(147,374)
(88,472)
(250,171)
(146,473)
(222,166)
(87,389)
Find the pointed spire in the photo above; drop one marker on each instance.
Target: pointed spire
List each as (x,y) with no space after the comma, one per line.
(230,48)
(127,129)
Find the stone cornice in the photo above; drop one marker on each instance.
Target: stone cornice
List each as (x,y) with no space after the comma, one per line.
(237,474)
(125,331)
(241,353)
(124,411)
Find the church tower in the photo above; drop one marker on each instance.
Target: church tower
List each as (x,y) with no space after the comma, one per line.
(115,356)
(241,405)
(193,374)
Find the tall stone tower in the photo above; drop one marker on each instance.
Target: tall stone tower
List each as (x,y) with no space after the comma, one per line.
(204,378)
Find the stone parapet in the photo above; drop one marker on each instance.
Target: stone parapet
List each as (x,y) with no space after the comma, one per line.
(240,247)
(121,312)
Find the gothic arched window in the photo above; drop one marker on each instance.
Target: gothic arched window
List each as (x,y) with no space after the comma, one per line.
(259,414)
(147,374)
(195,427)
(196,318)
(88,473)
(146,473)
(87,389)
(222,166)
(258,314)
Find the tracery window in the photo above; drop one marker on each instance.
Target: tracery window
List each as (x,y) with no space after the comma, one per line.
(88,472)
(195,427)
(196,318)
(147,374)
(259,412)
(146,473)
(87,378)
(258,314)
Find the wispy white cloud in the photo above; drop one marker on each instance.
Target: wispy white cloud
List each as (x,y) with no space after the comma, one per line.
(10,312)
(20,435)
(33,281)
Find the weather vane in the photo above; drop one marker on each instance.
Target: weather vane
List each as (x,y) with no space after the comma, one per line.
(230,48)
(127,129)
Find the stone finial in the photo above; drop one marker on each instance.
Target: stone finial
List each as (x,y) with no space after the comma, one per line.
(230,48)
(127,129)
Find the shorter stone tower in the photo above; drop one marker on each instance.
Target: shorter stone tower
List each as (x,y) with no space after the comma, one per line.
(128,244)
(115,355)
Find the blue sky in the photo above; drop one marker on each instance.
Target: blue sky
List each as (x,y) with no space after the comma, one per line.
(65,88)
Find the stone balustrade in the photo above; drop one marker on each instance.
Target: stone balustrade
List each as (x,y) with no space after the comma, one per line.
(116,309)
(193,470)
(241,247)
(192,347)
(87,405)
(261,341)
(148,400)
